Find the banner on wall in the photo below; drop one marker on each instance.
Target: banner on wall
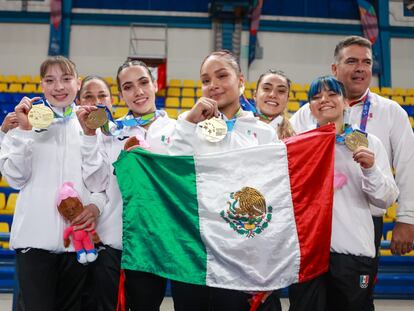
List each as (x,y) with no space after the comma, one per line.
(55,38)
(369,23)
(254,26)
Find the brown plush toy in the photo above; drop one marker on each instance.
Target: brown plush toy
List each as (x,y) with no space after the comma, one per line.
(70,206)
(135,142)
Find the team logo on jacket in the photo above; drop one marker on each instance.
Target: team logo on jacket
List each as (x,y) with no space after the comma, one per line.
(165,140)
(247,213)
(251,133)
(363,281)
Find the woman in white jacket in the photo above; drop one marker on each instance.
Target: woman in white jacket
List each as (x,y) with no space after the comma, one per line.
(362,177)
(38,162)
(103,275)
(101,148)
(230,128)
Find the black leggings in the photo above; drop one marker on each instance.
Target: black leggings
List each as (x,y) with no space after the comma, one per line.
(144,291)
(50,281)
(101,290)
(189,297)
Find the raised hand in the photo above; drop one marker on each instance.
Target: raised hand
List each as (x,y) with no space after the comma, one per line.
(22,111)
(364,156)
(204,109)
(10,122)
(82,113)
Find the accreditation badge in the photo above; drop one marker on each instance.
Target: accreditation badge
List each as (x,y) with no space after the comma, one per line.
(356,139)
(40,116)
(213,130)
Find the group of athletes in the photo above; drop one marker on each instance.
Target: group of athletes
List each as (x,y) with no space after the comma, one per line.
(79,143)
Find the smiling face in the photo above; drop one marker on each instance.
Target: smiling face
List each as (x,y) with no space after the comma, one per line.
(59,87)
(327,106)
(272,95)
(93,92)
(354,69)
(221,82)
(137,89)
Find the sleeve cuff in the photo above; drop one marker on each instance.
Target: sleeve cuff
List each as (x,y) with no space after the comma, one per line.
(99,200)
(369,172)
(185,125)
(19,133)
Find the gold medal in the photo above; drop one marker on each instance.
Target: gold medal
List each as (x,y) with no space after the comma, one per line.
(213,130)
(356,139)
(96,119)
(40,116)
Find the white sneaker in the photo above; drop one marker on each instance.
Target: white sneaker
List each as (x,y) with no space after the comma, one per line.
(81,256)
(91,256)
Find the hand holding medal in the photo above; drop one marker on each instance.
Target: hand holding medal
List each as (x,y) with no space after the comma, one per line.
(204,109)
(364,157)
(357,142)
(356,139)
(88,123)
(96,118)
(205,113)
(40,116)
(23,110)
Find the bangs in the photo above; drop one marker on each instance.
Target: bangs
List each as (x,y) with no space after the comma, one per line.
(67,66)
(67,69)
(325,83)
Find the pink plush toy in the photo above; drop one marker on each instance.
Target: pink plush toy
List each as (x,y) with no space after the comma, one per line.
(70,206)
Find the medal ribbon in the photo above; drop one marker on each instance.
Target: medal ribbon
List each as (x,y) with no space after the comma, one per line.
(263,116)
(267,118)
(230,123)
(67,114)
(113,127)
(340,138)
(246,105)
(365,113)
(259,114)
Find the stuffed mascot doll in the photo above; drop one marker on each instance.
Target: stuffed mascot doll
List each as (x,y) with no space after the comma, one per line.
(70,206)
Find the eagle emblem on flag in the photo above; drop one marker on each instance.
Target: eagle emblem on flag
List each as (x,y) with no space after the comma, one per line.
(247,213)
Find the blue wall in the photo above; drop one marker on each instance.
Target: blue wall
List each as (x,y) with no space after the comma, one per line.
(160,5)
(342,9)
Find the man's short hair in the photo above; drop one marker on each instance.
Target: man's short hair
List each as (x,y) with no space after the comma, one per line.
(348,41)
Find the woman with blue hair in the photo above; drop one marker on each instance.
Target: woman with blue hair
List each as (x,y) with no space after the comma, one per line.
(362,177)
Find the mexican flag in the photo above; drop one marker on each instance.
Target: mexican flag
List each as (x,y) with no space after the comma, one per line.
(252,219)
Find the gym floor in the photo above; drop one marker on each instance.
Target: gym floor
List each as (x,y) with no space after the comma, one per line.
(167,305)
